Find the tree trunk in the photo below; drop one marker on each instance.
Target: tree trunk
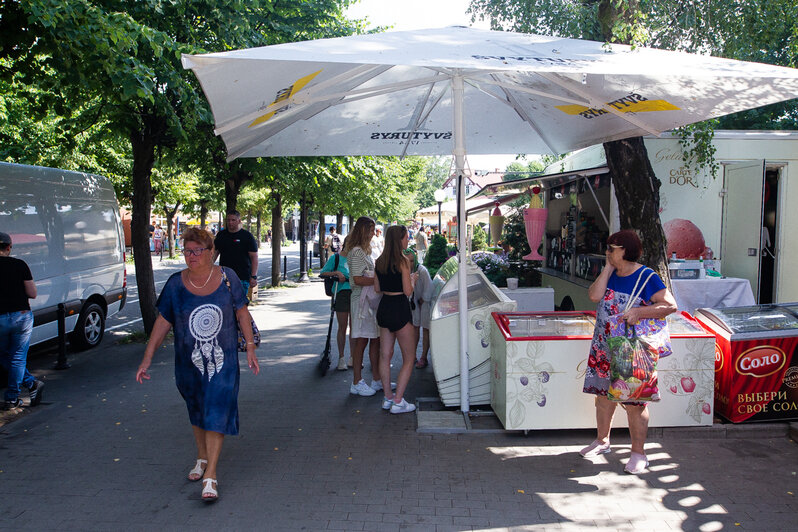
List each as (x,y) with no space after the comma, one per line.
(170,235)
(637,191)
(339,222)
(232,186)
(203,213)
(277,237)
(322,232)
(303,240)
(143,145)
(257,226)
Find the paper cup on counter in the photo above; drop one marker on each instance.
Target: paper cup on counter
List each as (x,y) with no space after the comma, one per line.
(512,283)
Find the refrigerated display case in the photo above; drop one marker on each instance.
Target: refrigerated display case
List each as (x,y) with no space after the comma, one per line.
(483,298)
(539,362)
(756,361)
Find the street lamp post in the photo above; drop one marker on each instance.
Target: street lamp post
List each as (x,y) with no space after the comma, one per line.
(439,195)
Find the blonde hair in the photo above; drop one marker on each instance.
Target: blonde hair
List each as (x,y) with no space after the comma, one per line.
(359,236)
(200,236)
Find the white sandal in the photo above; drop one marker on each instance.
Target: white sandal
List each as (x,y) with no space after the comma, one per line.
(209,493)
(198,470)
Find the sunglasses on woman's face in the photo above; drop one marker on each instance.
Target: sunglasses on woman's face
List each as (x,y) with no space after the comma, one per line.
(196,252)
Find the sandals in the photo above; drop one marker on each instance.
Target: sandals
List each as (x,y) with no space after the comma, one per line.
(209,493)
(196,473)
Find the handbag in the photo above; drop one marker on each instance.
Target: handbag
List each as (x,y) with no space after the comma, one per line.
(242,342)
(634,351)
(329,282)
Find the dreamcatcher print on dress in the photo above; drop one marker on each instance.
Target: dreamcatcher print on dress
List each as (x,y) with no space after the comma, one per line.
(204,324)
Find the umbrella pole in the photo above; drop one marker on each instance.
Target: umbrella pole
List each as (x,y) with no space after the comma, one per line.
(459,164)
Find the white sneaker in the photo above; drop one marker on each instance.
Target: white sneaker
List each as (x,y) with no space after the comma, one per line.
(387,403)
(361,388)
(402,408)
(377,385)
(595,448)
(342,364)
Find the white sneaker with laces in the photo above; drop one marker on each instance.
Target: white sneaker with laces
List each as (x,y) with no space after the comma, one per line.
(342,364)
(402,407)
(377,385)
(361,388)
(387,403)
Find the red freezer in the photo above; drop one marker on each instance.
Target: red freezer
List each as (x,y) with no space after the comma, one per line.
(756,361)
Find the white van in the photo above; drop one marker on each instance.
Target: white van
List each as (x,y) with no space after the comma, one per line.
(66,227)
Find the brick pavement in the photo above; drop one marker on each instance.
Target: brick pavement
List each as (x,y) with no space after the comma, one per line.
(104,453)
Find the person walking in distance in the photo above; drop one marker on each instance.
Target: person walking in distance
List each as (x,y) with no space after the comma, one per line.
(16,325)
(237,249)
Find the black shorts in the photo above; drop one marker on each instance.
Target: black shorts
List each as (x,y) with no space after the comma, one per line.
(394,312)
(342,300)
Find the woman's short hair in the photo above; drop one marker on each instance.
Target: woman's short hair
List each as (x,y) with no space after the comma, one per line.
(199,236)
(629,241)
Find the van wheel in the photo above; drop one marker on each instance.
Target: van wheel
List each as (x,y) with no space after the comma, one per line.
(90,327)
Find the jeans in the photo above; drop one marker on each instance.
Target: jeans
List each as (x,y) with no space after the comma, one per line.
(15,331)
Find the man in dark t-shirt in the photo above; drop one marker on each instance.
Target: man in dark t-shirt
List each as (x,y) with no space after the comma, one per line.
(238,250)
(16,325)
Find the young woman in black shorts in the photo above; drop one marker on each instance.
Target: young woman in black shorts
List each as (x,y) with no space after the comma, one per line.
(395,282)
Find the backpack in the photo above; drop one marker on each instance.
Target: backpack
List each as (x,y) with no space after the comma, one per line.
(336,243)
(330,282)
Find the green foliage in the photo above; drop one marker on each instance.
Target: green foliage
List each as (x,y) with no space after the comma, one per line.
(435,175)
(697,148)
(515,237)
(479,240)
(517,170)
(437,254)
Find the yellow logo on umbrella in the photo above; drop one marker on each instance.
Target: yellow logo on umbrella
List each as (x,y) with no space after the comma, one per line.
(283,95)
(634,103)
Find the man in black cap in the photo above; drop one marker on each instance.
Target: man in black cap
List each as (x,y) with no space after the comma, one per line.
(16,325)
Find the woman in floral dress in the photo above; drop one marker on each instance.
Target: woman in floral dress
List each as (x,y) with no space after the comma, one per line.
(612,290)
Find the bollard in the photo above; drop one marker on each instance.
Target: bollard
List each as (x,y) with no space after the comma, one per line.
(62,360)
(285,267)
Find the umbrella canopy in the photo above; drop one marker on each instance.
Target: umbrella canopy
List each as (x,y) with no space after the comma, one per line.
(391,93)
(433,92)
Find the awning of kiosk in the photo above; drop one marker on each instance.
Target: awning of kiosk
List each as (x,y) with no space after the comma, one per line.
(506,191)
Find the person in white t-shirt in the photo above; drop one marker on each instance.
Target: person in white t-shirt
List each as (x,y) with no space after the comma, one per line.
(377,243)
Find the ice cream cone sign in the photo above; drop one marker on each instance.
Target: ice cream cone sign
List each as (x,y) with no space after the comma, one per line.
(496,221)
(535,222)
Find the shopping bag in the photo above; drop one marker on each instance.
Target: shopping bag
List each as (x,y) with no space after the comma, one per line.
(633,367)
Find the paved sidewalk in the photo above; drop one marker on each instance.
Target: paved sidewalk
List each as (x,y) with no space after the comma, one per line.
(104,453)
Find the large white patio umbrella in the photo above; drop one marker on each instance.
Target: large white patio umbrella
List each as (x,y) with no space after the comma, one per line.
(433,92)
